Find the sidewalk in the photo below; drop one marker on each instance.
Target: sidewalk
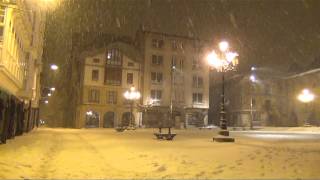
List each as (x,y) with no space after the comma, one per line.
(304,130)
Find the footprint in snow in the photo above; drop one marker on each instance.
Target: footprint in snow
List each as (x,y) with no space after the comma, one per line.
(217,172)
(200,174)
(155,164)
(161,168)
(143,155)
(221,166)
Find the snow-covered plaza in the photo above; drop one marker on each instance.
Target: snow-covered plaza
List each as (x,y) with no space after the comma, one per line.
(104,153)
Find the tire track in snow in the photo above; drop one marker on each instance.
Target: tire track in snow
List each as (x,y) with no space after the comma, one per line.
(105,167)
(46,165)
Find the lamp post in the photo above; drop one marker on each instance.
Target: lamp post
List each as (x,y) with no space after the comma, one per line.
(306,96)
(223,61)
(253,80)
(131,95)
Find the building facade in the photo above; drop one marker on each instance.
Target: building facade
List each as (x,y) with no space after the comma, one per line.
(267,98)
(256,98)
(107,74)
(299,113)
(175,80)
(22,26)
(169,71)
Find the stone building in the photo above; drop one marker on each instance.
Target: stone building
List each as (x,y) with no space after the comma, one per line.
(168,70)
(298,112)
(21,44)
(269,98)
(175,80)
(106,74)
(255,97)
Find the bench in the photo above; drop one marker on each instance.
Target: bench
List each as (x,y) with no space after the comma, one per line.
(120,129)
(166,136)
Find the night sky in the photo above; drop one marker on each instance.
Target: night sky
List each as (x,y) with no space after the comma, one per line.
(274,33)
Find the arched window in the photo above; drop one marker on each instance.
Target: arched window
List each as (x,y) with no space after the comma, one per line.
(92,119)
(108,119)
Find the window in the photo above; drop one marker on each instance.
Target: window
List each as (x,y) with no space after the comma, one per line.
(95,75)
(178,96)
(181,45)
(129,78)
(156,77)
(196,64)
(174,61)
(253,102)
(174,45)
(130,64)
(177,62)
(114,57)
(156,94)
(112,97)
(268,89)
(2,16)
(197,82)
(181,63)
(157,60)
(94,96)
(197,98)
(96,60)
(113,76)
(156,43)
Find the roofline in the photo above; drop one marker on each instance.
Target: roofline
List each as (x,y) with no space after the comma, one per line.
(171,35)
(303,73)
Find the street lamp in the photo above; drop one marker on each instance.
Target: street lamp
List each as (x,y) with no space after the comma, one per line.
(54,67)
(306,96)
(131,95)
(223,61)
(253,80)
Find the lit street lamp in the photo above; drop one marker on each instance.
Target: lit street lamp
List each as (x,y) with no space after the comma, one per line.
(54,67)
(306,97)
(131,95)
(223,61)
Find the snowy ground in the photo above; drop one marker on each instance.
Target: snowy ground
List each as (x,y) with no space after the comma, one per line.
(104,153)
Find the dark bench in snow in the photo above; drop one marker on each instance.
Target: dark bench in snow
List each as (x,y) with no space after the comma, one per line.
(120,129)
(166,136)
